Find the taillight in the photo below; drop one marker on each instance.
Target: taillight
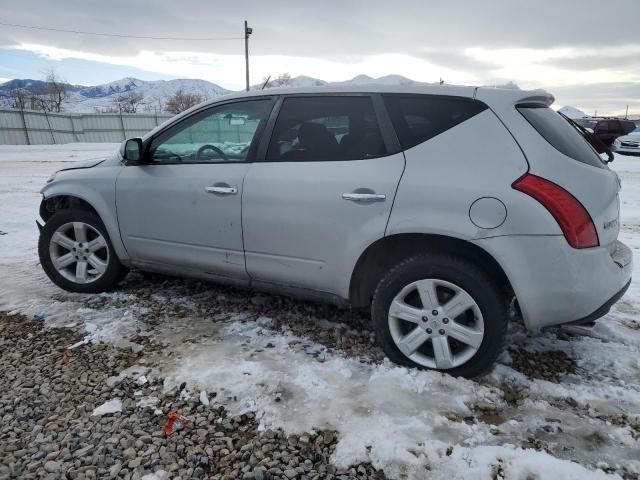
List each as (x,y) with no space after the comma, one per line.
(574,220)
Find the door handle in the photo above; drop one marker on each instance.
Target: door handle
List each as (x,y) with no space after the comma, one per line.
(364,197)
(220,190)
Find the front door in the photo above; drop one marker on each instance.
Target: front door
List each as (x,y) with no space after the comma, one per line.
(323,194)
(182,207)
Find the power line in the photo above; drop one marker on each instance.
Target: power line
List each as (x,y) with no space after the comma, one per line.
(194,39)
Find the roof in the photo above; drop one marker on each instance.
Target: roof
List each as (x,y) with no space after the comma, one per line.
(484,93)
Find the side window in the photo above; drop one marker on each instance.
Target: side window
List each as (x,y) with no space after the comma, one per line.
(326,128)
(218,134)
(417,118)
(614,126)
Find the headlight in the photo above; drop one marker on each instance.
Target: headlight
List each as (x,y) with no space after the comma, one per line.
(52,177)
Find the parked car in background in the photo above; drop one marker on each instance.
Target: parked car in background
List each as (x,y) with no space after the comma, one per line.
(437,208)
(628,144)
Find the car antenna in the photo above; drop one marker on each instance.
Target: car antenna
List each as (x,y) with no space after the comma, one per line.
(266,82)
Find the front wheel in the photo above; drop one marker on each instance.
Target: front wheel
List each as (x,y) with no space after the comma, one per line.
(76,252)
(440,312)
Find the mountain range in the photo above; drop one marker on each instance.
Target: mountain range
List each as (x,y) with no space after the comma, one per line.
(155,93)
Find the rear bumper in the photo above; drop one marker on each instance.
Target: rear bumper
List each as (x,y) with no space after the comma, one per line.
(556,284)
(603,309)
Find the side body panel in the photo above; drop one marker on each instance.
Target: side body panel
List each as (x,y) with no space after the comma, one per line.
(299,231)
(445,175)
(167,217)
(97,187)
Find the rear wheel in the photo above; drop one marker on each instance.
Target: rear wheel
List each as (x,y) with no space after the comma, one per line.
(440,312)
(76,252)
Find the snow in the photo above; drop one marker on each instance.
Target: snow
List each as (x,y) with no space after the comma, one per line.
(111,406)
(572,112)
(398,419)
(154,93)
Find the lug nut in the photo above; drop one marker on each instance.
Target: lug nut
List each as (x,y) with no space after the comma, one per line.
(441,332)
(435,312)
(429,331)
(445,320)
(425,319)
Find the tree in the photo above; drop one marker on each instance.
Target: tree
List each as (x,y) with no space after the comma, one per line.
(56,94)
(18,98)
(282,80)
(182,101)
(128,102)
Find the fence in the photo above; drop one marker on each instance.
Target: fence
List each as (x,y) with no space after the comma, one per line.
(29,127)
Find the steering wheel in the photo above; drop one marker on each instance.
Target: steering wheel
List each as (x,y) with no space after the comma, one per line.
(211,147)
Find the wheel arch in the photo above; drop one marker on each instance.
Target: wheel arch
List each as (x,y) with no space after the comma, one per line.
(56,199)
(386,252)
(54,203)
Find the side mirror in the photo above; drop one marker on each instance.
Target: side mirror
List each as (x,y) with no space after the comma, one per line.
(133,151)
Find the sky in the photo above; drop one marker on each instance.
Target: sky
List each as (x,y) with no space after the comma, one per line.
(585,52)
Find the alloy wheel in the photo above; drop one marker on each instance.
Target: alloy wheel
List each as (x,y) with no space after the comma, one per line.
(436,324)
(79,252)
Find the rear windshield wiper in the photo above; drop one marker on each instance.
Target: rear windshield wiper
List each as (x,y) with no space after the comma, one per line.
(592,138)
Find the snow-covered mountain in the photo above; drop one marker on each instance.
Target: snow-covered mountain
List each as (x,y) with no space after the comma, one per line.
(572,112)
(155,93)
(102,97)
(386,80)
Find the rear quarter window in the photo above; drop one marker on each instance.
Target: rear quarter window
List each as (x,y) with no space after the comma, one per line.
(417,118)
(560,134)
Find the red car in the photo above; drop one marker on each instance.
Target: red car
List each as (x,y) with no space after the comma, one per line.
(607,129)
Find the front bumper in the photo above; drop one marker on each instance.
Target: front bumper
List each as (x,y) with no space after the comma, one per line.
(628,150)
(556,284)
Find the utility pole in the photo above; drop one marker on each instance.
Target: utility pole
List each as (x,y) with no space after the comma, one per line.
(626,113)
(247,31)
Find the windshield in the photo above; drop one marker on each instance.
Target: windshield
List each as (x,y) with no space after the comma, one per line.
(561,134)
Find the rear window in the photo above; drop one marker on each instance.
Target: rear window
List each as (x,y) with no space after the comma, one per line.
(417,118)
(561,134)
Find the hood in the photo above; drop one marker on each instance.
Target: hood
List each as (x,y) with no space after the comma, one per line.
(85,164)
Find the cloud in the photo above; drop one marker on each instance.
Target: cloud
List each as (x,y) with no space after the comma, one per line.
(331,29)
(535,44)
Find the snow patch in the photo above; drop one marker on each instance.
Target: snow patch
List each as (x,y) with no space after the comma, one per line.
(111,406)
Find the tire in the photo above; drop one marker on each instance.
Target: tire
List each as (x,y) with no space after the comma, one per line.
(102,269)
(442,277)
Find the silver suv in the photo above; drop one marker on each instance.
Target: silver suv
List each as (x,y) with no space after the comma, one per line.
(435,207)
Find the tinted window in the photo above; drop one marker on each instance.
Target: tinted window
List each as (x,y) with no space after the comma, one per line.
(417,118)
(561,134)
(627,126)
(218,134)
(326,128)
(602,127)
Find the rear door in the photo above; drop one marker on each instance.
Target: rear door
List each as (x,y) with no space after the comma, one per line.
(322,193)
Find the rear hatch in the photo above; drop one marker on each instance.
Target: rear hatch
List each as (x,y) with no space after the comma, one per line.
(567,159)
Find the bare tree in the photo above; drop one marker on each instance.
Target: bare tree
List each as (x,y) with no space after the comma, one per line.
(282,80)
(57,90)
(128,102)
(181,101)
(18,98)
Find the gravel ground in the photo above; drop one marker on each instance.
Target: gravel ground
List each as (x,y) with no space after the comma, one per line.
(48,394)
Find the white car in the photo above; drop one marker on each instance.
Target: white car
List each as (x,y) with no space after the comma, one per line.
(629,144)
(434,207)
